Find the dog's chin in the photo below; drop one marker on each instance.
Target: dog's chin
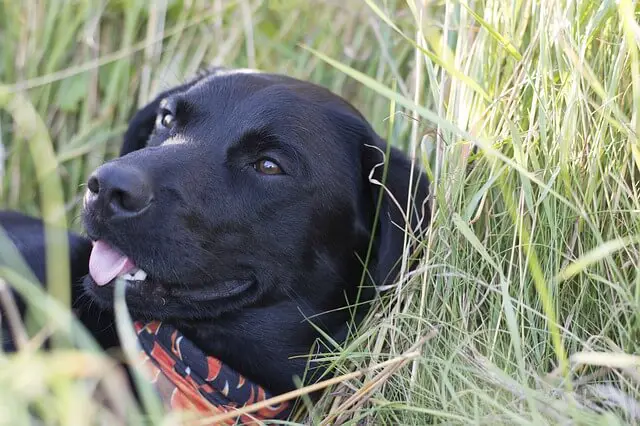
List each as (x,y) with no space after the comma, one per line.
(143,297)
(148,299)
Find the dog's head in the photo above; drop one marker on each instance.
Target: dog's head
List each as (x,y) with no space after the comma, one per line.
(244,189)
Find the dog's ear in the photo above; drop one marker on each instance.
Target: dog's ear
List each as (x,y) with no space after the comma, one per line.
(393,186)
(389,184)
(142,123)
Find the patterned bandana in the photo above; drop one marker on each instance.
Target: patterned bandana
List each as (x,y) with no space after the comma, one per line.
(187,379)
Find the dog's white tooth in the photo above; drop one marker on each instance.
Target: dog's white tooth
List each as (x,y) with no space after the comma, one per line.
(140,275)
(128,276)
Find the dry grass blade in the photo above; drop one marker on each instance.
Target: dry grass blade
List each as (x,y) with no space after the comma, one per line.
(289,396)
(361,396)
(607,359)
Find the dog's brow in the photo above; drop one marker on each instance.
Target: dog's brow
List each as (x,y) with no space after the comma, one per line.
(181,107)
(262,139)
(267,142)
(258,139)
(175,140)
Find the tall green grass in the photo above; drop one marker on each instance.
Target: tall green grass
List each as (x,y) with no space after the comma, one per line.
(526,301)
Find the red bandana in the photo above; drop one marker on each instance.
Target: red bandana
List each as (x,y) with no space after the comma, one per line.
(187,379)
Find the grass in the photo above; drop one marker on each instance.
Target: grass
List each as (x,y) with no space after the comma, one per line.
(527,296)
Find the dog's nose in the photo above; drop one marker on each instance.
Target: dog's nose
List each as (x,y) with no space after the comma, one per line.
(119,190)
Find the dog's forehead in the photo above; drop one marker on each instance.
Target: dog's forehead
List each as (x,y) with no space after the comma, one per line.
(234,98)
(226,88)
(232,83)
(227,105)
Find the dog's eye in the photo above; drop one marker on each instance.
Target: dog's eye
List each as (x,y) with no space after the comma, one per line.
(167,120)
(267,167)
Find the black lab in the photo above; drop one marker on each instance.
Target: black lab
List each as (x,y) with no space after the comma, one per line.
(241,211)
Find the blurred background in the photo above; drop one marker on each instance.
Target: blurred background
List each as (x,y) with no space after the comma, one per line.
(527,297)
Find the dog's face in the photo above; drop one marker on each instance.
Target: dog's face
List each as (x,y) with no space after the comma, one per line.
(244,189)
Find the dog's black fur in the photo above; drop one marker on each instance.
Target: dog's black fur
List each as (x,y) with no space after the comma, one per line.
(211,221)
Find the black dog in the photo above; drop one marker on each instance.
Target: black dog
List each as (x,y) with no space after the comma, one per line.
(241,210)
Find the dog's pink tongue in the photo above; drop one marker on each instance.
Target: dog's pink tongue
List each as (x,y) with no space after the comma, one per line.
(105,263)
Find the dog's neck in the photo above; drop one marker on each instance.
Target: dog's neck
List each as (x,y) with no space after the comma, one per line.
(282,333)
(287,327)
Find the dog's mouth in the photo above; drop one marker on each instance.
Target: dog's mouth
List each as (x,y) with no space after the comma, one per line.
(106,264)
